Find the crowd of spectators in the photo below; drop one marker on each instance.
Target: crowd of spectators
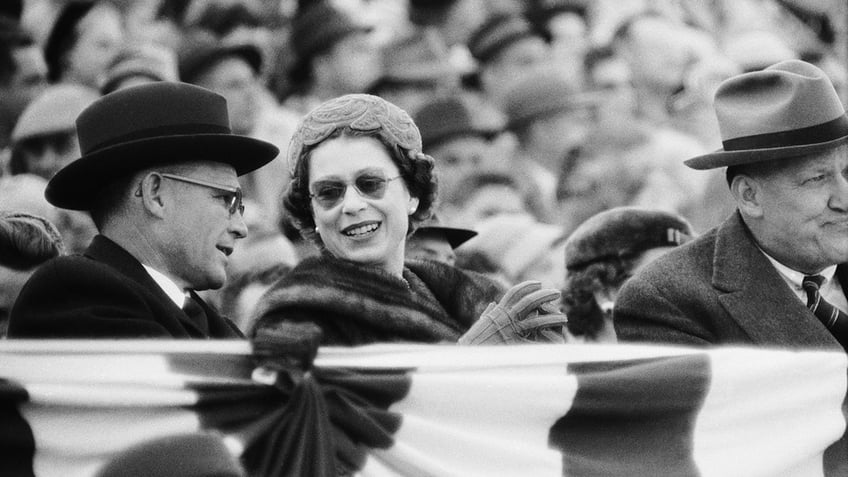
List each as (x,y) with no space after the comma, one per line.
(539,114)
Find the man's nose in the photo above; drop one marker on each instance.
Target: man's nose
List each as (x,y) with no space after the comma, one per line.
(238,227)
(839,195)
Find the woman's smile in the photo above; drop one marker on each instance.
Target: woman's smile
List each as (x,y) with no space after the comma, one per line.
(362,229)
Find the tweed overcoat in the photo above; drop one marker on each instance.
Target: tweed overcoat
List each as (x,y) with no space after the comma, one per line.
(105,293)
(718,289)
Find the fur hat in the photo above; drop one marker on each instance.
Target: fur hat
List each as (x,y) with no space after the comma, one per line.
(786,110)
(142,126)
(621,232)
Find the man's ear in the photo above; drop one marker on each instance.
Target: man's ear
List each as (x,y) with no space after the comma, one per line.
(150,190)
(748,194)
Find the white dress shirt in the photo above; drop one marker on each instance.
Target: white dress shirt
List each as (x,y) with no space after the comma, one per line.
(831,289)
(170,288)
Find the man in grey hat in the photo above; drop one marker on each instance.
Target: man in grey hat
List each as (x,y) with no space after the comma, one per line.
(159,177)
(773,273)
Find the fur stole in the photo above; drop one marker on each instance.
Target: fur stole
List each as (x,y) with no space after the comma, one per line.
(355,305)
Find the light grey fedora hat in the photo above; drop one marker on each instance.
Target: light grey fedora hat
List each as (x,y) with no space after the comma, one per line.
(786,110)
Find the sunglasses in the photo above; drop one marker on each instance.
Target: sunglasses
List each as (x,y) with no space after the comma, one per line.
(329,194)
(232,196)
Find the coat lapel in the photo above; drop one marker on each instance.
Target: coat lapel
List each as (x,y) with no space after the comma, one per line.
(106,251)
(757,297)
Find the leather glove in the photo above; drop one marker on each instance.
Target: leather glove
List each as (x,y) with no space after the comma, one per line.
(525,314)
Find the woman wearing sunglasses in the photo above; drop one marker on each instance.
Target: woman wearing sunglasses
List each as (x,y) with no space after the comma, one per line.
(360,186)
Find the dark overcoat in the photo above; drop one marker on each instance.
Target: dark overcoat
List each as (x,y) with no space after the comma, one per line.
(106,293)
(718,289)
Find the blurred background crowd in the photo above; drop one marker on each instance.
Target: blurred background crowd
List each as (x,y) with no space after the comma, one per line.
(540,114)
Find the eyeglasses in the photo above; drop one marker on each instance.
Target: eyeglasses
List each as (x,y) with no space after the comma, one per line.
(329,194)
(232,195)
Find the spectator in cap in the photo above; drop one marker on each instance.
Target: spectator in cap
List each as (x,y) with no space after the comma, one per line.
(158,175)
(335,55)
(23,74)
(233,71)
(773,273)
(549,117)
(602,253)
(435,241)
(505,47)
(44,139)
(415,69)
(136,64)
(82,42)
(26,242)
(459,135)
(360,186)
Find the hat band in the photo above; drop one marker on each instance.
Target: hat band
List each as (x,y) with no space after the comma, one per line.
(819,133)
(162,131)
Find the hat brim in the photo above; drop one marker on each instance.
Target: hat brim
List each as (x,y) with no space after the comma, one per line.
(722,158)
(454,236)
(77,185)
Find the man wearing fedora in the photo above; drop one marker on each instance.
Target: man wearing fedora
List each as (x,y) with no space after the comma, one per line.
(158,175)
(773,273)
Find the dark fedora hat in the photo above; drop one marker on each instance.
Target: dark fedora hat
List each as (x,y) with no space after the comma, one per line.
(454,235)
(787,110)
(147,125)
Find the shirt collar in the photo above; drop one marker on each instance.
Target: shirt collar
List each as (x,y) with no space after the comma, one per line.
(167,285)
(796,277)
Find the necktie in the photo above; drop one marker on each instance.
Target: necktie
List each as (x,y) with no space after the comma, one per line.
(835,320)
(196,314)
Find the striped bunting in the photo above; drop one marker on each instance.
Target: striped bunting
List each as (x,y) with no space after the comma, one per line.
(69,407)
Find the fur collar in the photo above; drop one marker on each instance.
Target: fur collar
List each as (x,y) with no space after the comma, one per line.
(357,305)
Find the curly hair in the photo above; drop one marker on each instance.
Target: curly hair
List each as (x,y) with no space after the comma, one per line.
(585,317)
(415,167)
(27,241)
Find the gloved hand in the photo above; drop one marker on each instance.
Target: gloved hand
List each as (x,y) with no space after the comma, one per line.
(525,314)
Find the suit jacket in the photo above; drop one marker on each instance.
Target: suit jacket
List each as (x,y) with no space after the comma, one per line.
(106,293)
(718,289)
